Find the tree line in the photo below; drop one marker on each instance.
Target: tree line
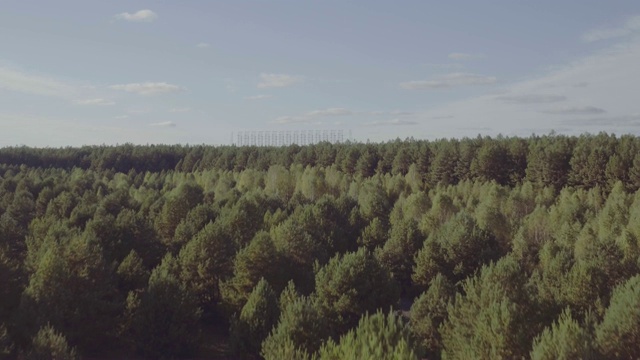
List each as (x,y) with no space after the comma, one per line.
(475,248)
(549,160)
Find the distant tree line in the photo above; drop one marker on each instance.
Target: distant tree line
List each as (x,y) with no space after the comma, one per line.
(456,249)
(550,160)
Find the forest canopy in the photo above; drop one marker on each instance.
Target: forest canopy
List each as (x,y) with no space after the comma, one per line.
(477,248)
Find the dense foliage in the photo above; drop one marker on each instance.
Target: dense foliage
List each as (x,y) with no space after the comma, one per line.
(476,248)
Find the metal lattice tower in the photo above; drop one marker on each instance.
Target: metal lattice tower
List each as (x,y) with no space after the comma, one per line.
(287,137)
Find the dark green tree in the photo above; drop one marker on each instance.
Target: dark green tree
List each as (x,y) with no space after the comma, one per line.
(258,316)
(351,285)
(378,336)
(166,315)
(618,335)
(488,320)
(302,329)
(258,260)
(429,311)
(50,344)
(566,340)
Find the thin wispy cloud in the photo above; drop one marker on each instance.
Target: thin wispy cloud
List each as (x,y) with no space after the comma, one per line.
(401,113)
(632,120)
(165,124)
(611,75)
(20,81)
(630,26)
(144,110)
(148,88)
(312,116)
(203,45)
(580,110)
(283,120)
(532,99)
(452,66)
(392,122)
(121,117)
(278,80)
(330,112)
(96,102)
(145,15)
(180,110)
(464,56)
(258,97)
(440,117)
(448,81)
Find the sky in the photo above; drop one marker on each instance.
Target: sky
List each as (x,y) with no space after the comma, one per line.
(89,72)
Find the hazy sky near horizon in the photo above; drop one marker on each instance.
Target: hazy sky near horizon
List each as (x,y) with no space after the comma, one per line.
(76,72)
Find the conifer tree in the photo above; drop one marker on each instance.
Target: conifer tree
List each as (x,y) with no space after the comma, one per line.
(301,330)
(488,320)
(258,316)
(257,260)
(351,285)
(166,316)
(377,337)
(204,261)
(619,333)
(50,344)
(429,311)
(397,254)
(565,340)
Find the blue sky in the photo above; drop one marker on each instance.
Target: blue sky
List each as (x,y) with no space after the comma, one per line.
(97,72)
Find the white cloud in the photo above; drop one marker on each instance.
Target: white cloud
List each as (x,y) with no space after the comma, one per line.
(121,117)
(395,122)
(148,88)
(19,81)
(630,26)
(203,45)
(611,75)
(258,97)
(578,110)
(180,110)
(449,80)
(139,16)
(97,102)
(278,80)
(164,124)
(465,56)
(330,112)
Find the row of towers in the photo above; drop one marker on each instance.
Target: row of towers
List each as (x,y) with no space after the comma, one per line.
(287,137)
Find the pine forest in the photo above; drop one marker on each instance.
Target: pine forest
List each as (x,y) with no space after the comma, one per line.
(475,248)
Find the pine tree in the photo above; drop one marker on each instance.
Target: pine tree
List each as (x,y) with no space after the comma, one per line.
(166,318)
(49,344)
(204,261)
(565,340)
(377,337)
(257,260)
(488,320)
(397,254)
(132,273)
(300,331)
(351,285)
(619,333)
(457,250)
(258,316)
(429,311)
